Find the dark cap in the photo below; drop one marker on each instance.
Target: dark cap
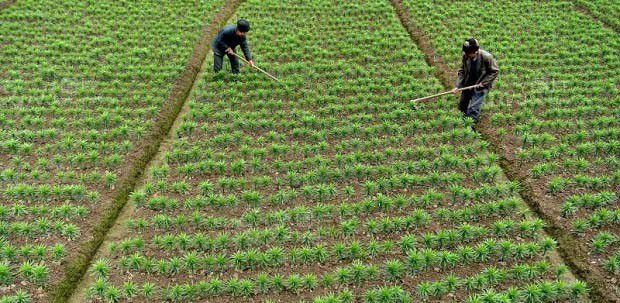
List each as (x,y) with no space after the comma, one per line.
(243,25)
(470,46)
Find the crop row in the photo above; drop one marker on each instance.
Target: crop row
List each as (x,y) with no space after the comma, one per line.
(255,217)
(358,273)
(192,262)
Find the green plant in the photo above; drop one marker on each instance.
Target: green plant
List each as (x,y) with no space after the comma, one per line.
(148,289)
(6,276)
(101,268)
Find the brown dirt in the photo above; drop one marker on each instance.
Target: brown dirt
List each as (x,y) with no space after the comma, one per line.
(138,159)
(569,247)
(6,4)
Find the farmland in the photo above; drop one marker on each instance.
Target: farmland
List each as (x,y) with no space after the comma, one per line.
(69,131)
(329,186)
(555,115)
(130,174)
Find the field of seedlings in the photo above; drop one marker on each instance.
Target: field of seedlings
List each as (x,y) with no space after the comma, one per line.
(131,172)
(69,131)
(555,114)
(332,188)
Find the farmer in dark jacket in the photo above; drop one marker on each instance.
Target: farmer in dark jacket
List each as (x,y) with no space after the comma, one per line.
(477,68)
(226,41)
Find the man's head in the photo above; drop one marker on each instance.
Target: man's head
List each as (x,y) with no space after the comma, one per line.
(243,27)
(470,48)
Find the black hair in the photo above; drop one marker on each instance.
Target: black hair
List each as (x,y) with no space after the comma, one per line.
(470,46)
(243,25)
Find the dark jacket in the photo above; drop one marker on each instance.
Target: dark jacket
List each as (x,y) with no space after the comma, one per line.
(226,38)
(486,67)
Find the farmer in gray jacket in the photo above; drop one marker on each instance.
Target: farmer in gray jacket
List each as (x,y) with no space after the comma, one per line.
(477,68)
(226,41)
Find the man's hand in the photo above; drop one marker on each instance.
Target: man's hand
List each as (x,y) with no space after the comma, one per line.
(229,51)
(251,63)
(455,90)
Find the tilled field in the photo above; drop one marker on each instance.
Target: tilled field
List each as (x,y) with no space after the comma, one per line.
(554,117)
(80,88)
(127,174)
(329,187)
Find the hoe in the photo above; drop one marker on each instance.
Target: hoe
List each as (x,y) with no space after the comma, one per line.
(445,93)
(258,68)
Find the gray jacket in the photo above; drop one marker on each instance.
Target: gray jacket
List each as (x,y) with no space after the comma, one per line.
(486,66)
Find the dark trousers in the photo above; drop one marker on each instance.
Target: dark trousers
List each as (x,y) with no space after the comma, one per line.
(471,103)
(218,60)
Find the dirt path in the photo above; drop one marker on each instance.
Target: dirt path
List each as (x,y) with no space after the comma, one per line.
(568,248)
(145,153)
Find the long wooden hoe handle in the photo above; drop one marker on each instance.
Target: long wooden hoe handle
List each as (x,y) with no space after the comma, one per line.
(256,67)
(445,93)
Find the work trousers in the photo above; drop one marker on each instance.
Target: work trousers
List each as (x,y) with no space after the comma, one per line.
(218,60)
(471,103)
